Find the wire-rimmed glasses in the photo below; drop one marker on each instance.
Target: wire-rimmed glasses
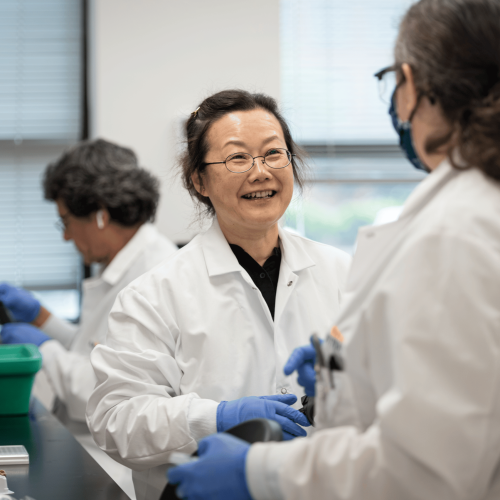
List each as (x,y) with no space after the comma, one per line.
(60,226)
(239,163)
(62,223)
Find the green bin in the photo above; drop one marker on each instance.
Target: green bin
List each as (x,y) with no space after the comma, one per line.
(18,366)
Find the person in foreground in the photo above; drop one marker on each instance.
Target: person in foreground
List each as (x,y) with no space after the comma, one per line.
(416,413)
(198,345)
(105,202)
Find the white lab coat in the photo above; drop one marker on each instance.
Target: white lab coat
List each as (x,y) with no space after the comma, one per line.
(66,361)
(421,316)
(195,331)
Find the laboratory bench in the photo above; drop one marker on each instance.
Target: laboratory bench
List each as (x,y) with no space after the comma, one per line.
(59,468)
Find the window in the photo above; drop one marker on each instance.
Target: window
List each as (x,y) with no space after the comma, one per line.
(41,89)
(330,51)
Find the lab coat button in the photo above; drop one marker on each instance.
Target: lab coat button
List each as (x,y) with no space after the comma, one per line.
(289,283)
(283,390)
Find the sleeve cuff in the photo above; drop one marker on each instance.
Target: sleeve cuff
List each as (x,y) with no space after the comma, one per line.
(49,350)
(264,461)
(202,418)
(60,330)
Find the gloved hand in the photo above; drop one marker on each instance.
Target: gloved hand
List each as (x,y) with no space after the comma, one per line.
(22,333)
(219,473)
(23,306)
(303,359)
(231,413)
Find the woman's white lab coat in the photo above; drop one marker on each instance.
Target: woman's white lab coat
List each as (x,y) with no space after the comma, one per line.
(66,359)
(195,331)
(421,316)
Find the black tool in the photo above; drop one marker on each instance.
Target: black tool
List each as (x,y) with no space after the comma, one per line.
(308,408)
(258,430)
(5,315)
(308,401)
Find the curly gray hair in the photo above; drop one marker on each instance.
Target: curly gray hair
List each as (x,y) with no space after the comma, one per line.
(99,174)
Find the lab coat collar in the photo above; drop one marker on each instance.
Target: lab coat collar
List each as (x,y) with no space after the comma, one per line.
(146,234)
(220,259)
(374,240)
(428,188)
(294,254)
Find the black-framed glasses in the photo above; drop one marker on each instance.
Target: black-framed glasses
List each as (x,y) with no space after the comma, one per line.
(239,163)
(379,75)
(387,82)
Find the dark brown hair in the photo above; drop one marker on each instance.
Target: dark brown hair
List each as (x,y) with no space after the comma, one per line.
(212,109)
(453,48)
(99,174)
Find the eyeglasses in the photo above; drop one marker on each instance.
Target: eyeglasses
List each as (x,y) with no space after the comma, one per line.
(387,82)
(239,163)
(62,223)
(387,78)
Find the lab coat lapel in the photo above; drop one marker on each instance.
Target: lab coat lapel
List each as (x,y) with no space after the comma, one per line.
(286,284)
(294,259)
(265,307)
(220,259)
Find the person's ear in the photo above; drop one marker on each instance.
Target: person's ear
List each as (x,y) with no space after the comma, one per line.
(407,94)
(198,183)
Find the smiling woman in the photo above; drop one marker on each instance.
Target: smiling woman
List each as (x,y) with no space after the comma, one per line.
(199,345)
(230,104)
(246,133)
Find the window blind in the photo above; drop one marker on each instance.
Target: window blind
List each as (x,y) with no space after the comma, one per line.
(33,253)
(330,52)
(41,114)
(41,69)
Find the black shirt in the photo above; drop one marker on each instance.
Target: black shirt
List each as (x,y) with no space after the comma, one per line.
(265,277)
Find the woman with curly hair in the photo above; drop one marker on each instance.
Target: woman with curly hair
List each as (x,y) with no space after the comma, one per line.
(106,203)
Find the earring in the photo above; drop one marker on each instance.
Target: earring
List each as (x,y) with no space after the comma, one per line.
(99,219)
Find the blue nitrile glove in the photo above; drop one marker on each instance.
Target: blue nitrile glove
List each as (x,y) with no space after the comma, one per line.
(23,306)
(303,359)
(219,473)
(22,333)
(231,413)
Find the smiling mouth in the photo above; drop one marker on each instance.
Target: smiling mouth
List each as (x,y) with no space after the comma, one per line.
(259,195)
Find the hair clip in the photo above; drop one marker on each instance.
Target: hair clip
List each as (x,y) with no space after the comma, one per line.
(194,114)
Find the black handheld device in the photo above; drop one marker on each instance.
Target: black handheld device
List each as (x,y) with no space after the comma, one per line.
(257,430)
(5,316)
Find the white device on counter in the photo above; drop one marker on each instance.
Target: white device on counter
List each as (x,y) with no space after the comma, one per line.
(4,489)
(14,455)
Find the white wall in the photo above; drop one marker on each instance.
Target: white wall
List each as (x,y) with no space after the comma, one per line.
(153,61)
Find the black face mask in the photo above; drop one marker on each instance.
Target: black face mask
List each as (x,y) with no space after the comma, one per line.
(405,137)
